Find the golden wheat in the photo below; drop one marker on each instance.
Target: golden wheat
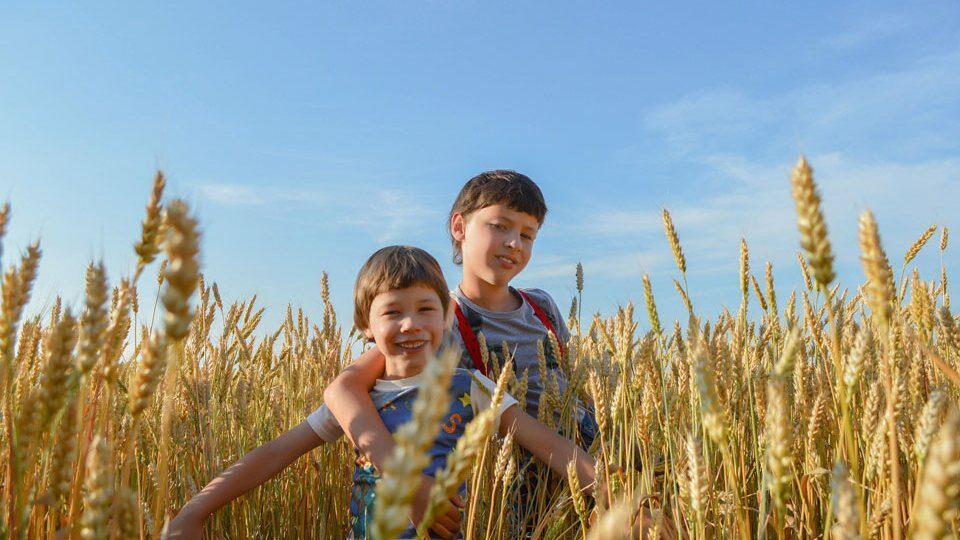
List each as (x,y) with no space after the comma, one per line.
(690,436)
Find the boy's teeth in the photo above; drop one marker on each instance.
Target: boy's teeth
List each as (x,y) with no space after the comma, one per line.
(411,344)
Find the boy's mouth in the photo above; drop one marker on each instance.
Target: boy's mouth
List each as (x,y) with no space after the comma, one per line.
(506,260)
(412,345)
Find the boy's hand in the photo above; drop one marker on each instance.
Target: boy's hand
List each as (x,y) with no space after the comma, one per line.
(447,525)
(184,527)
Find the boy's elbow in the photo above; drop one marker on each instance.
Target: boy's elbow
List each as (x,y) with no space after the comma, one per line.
(332,390)
(345,383)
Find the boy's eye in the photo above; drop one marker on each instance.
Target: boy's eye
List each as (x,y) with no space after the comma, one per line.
(428,308)
(526,236)
(498,226)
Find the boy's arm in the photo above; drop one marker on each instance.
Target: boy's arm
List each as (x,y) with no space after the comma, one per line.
(548,446)
(252,470)
(348,397)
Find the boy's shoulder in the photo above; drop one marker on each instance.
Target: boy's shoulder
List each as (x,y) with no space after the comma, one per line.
(540,296)
(544,301)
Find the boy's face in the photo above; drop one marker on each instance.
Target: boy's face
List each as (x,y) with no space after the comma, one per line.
(496,242)
(407,326)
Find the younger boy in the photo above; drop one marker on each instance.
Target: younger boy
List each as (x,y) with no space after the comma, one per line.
(400,302)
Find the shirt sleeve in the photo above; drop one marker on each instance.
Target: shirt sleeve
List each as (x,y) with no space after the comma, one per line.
(563,333)
(324,424)
(481,394)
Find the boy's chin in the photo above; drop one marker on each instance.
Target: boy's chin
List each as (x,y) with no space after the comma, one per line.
(500,278)
(408,365)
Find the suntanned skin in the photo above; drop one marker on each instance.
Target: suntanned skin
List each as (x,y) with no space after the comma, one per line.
(496,243)
(252,470)
(547,445)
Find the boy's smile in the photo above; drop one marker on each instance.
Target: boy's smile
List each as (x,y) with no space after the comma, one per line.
(407,326)
(496,242)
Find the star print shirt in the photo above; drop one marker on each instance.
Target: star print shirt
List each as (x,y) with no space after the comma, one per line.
(470,393)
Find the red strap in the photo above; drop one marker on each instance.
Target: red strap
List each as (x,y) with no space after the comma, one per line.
(473,346)
(469,339)
(544,319)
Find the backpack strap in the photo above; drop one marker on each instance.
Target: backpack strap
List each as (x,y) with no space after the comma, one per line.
(542,315)
(469,335)
(469,339)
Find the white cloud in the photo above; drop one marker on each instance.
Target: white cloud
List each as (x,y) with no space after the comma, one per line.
(390,215)
(616,265)
(384,214)
(908,109)
(712,115)
(869,31)
(258,195)
(886,141)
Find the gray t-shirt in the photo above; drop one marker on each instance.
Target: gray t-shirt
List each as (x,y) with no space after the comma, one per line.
(521,329)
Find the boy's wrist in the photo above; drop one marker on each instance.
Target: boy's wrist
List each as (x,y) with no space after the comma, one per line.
(193,511)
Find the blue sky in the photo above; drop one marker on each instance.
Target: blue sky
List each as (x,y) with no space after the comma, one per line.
(306,135)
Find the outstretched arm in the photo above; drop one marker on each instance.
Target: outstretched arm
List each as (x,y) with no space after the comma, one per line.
(548,446)
(252,470)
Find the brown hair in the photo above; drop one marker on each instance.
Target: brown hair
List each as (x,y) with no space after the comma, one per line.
(516,191)
(392,268)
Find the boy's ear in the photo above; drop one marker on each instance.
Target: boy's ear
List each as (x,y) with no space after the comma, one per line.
(367,333)
(458,224)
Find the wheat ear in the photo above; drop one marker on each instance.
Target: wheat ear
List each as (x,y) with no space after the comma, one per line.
(148,247)
(810,222)
(845,505)
(674,242)
(879,286)
(938,494)
(100,489)
(918,245)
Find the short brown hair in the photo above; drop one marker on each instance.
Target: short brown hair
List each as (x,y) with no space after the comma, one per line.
(516,191)
(392,268)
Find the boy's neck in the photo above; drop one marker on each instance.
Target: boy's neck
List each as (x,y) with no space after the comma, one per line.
(488,296)
(392,371)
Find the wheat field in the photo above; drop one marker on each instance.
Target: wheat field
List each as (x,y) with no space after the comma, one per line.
(832,413)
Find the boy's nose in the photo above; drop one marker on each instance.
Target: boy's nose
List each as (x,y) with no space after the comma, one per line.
(408,323)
